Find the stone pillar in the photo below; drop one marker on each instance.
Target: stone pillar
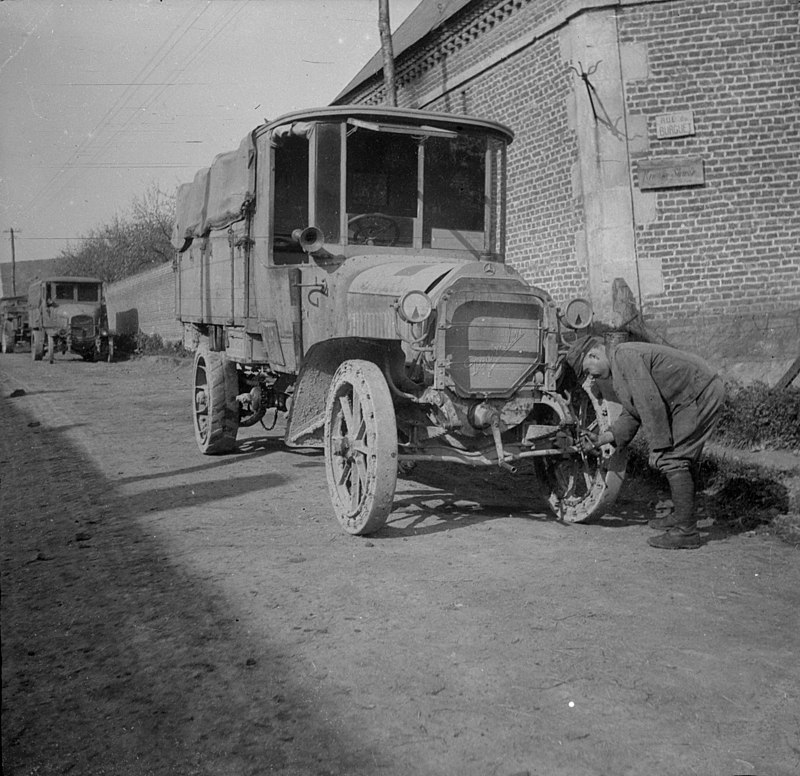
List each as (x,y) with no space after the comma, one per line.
(601,175)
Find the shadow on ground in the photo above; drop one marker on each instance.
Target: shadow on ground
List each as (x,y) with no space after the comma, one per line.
(115,660)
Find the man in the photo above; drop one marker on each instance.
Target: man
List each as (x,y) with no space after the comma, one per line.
(676,397)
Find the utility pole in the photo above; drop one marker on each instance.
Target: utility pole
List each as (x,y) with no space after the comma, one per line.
(388,53)
(13,262)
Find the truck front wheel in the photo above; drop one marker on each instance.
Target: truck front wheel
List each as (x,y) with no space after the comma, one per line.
(360,447)
(582,486)
(215,411)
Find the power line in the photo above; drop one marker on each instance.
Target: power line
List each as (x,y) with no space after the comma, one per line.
(148,68)
(231,15)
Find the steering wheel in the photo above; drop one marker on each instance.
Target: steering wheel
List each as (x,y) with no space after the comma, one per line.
(373,229)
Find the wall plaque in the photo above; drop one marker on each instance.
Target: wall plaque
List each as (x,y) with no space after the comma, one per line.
(678,124)
(669,173)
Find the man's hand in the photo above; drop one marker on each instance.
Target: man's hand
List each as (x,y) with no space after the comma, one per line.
(590,442)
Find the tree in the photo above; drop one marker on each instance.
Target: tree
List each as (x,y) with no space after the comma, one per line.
(129,244)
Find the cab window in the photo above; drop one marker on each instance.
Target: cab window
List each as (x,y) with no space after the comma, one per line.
(454,183)
(87,292)
(291,198)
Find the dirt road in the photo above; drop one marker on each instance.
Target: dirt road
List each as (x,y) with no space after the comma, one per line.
(168,613)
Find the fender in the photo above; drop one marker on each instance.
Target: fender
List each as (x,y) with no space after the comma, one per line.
(306,422)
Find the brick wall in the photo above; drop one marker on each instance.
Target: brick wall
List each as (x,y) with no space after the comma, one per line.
(145,303)
(730,246)
(725,254)
(527,91)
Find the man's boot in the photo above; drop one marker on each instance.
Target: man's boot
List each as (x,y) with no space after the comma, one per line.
(683,533)
(665,519)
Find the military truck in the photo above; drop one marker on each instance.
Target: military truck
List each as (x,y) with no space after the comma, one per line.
(346,265)
(14,329)
(68,314)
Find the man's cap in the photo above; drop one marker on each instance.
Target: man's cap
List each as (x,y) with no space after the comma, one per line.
(579,349)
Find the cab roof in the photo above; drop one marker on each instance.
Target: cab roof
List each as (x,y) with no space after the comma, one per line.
(389,116)
(65,279)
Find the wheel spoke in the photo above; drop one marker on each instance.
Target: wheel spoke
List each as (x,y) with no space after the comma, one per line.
(344,472)
(357,429)
(347,413)
(356,486)
(588,479)
(360,446)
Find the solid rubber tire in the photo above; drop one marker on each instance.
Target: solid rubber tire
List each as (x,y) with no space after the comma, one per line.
(37,344)
(217,422)
(360,447)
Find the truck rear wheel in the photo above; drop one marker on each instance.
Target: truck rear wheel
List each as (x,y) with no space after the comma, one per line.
(360,447)
(215,412)
(37,345)
(582,486)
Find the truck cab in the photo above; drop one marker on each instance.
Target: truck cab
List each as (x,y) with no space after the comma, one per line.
(347,265)
(14,329)
(68,315)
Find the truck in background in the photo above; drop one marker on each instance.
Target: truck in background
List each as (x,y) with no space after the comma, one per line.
(14,329)
(346,265)
(68,315)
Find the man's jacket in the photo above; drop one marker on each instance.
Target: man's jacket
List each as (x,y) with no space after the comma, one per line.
(653,384)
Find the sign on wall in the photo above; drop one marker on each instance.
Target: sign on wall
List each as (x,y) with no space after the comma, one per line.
(677,124)
(669,173)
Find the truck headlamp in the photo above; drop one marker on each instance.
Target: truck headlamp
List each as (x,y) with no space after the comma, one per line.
(578,314)
(415,307)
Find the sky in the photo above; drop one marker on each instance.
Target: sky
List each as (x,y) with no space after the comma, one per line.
(101,100)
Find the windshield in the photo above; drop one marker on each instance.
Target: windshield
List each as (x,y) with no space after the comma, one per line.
(75,292)
(388,202)
(385,185)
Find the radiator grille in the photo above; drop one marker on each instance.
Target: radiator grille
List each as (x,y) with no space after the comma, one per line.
(82,328)
(492,344)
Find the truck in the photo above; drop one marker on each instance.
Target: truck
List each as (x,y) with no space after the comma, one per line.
(14,329)
(346,266)
(68,315)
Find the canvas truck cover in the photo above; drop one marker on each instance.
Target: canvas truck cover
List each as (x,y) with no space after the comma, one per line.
(218,195)
(190,208)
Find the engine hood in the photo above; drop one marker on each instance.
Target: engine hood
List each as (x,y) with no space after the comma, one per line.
(395,278)
(372,290)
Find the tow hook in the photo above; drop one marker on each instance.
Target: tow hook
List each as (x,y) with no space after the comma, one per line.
(498,445)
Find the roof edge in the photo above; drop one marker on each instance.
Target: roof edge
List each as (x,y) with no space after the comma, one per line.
(406,115)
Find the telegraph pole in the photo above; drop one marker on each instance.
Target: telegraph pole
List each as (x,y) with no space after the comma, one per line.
(13,263)
(388,53)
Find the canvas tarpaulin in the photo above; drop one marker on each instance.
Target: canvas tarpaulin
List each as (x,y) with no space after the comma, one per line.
(190,208)
(217,196)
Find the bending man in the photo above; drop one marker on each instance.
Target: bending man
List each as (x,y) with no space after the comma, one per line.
(676,397)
